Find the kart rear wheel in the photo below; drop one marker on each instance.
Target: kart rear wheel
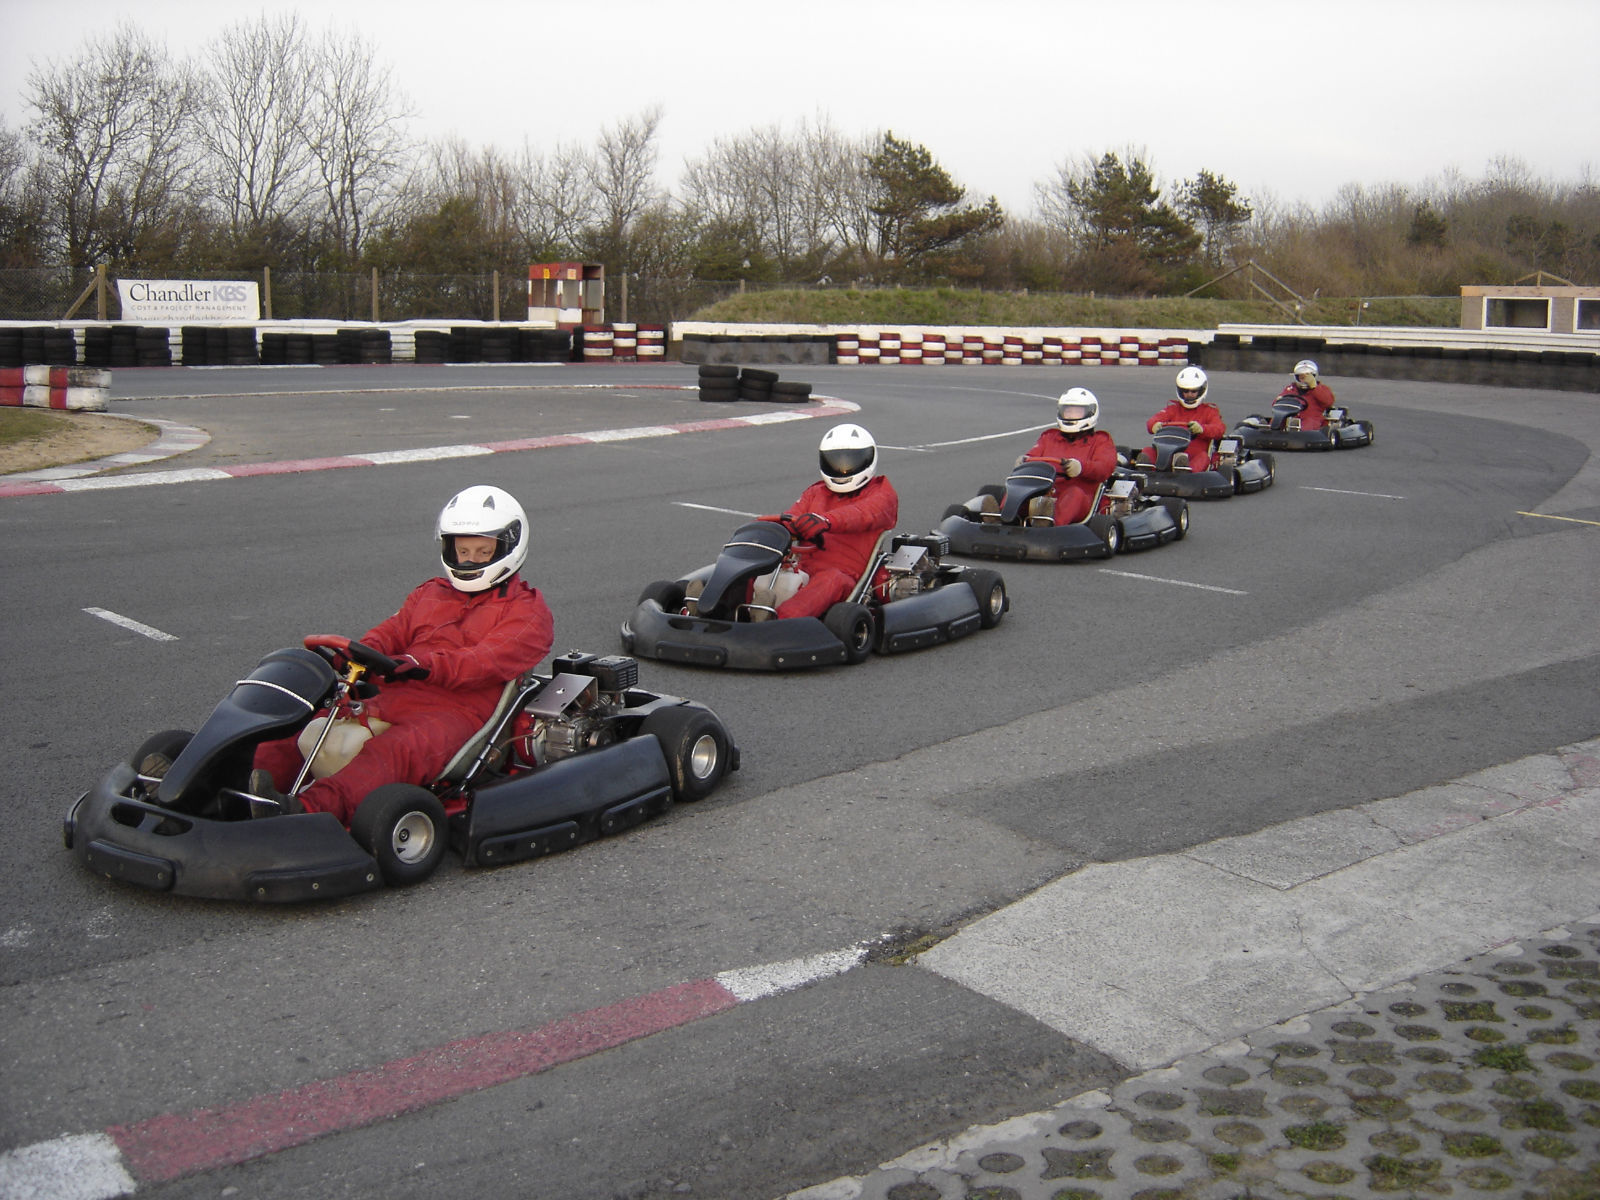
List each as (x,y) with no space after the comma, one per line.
(990,589)
(852,624)
(993,489)
(665,592)
(1109,530)
(956,510)
(695,745)
(403,827)
(1180,515)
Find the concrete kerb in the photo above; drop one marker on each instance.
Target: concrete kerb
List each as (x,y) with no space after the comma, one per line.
(1322,1000)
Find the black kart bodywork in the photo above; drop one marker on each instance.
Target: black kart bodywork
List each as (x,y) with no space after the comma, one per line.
(907,598)
(1006,522)
(1235,469)
(1280,430)
(566,757)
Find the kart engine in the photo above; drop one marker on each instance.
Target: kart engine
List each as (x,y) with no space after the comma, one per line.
(575,711)
(1121,494)
(913,565)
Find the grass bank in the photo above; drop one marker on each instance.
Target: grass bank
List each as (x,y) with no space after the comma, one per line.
(951,306)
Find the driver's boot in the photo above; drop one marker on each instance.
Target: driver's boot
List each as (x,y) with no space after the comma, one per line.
(262,787)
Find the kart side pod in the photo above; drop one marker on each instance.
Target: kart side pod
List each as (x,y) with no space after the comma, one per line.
(565,803)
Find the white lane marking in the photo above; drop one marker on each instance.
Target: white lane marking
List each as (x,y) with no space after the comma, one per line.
(622,435)
(1553,517)
(732,512)
(145,479)
(754,983)
(987,437)
(139,627)
(84,1166)
(1346,492)
(1204,587)
(427,454)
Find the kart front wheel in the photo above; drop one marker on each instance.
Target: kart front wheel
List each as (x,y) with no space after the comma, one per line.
(695,745)
(403,827)
(990,589)
(852,624)
(167,744)
(667,594)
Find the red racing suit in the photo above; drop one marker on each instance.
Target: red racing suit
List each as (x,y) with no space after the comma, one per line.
(471,643)
(1212,427)
(1095,452)
(856,520)
(1318,401)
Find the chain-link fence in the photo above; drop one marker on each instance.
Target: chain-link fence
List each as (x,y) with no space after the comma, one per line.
(57,294)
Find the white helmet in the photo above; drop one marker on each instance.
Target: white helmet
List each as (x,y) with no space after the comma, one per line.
(1191,387)
(1077,410)
(482,511)
(848,456)
(1306,367)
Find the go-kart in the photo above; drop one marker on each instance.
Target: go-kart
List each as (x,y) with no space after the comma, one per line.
(1282,430)
(1017,521)
(725,614)
(564,758)
(1234,467)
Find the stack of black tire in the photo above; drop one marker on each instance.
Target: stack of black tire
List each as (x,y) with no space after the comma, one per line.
(719,382)
(218,345)
(546,345)
(126,346)
(364,346)
(41,346)
(723,382)
(431,346)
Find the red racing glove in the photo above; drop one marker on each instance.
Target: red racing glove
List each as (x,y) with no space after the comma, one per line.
(809,526)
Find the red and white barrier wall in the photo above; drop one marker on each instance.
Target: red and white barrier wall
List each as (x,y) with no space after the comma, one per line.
(621,341)
(83,389)
(998,347)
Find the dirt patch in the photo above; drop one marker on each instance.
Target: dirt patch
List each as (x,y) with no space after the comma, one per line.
(31,440)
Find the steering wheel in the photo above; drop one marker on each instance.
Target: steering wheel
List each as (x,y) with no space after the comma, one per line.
(334,647)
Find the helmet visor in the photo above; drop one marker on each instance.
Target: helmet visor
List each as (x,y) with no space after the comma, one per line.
(1074,412)
(844,461)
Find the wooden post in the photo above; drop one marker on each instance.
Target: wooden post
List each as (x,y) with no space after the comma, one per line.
(624,289)
(374,295)
(266,293)
(497,297)
(100,293)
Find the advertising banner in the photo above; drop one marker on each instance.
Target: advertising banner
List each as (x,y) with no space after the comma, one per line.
(189,299)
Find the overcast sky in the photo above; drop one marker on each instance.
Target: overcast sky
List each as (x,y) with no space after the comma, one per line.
(1287,100)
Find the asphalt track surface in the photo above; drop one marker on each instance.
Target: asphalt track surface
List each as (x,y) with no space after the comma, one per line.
(1382,620)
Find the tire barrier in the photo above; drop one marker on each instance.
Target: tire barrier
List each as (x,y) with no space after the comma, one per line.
(721,383)
(79,389)
(1563,370)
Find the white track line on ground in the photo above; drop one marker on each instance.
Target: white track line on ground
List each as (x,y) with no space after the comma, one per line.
(1204,587)
(139,627)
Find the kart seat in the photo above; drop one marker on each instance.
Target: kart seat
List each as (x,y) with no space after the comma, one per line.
(464,759)
(874,561)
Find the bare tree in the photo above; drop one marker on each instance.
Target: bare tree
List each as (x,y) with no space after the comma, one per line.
(260,173)
(554,201)
(22,208)
(353,125)
(622,173)
(113,128)
(788,192)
